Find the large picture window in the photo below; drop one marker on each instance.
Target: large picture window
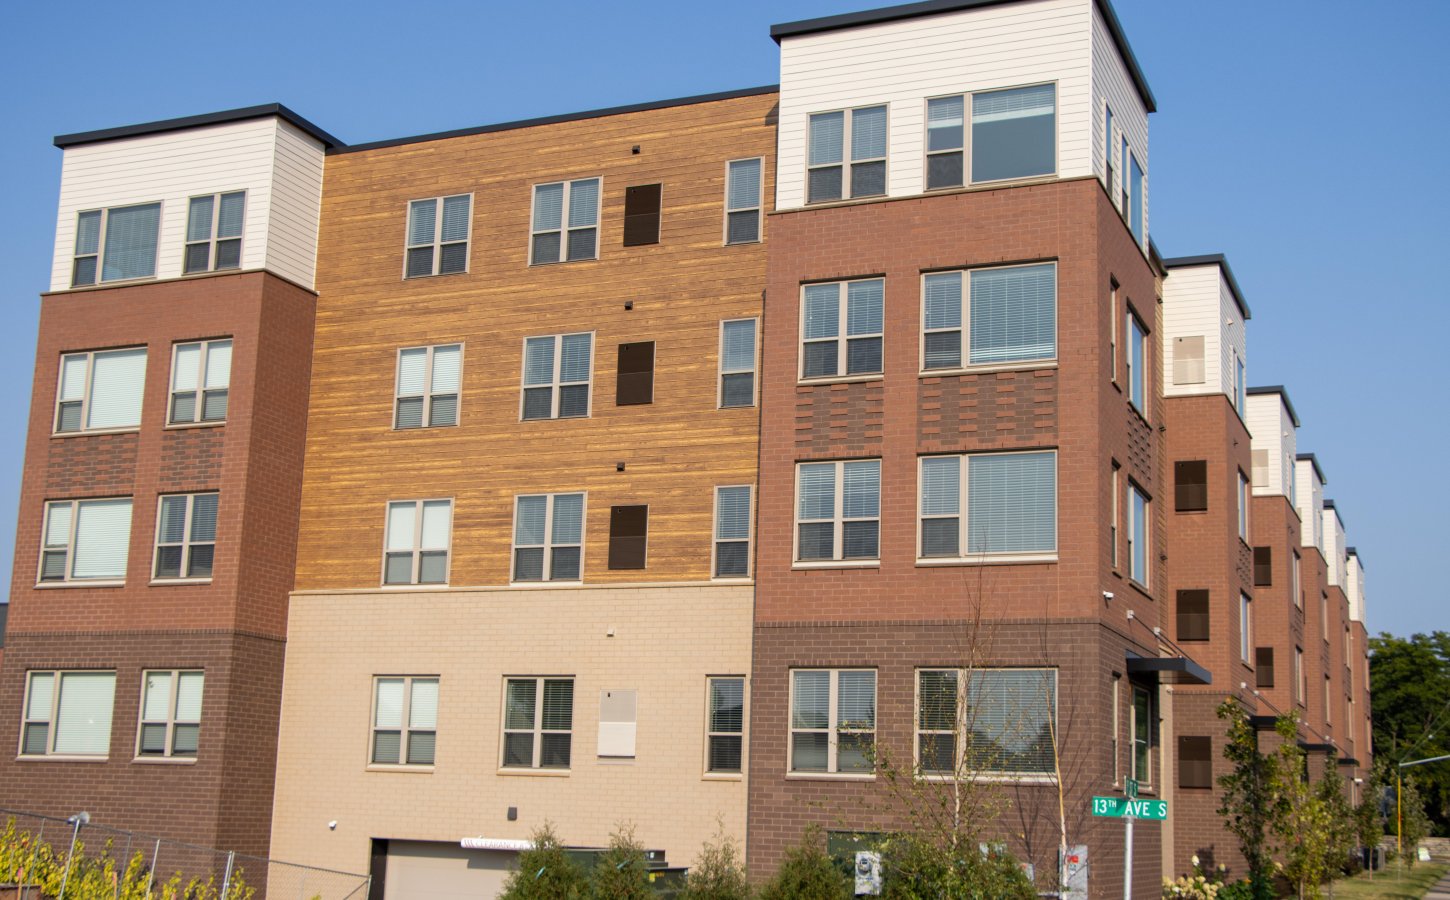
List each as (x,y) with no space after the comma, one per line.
(100,391)
(120,242)
(1009,505)
(1010,316)
(1014,133)
(86,540)
(68,714)
(1004,725)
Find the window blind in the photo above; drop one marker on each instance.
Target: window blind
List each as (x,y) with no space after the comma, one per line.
(156,707)
(861,490)
(1009,719)
(868,133)
(827,133)
(83,723)
(446,365)
(574,358)
(42,693)
(455,217)
(437,517)
(732,514)
(743,191)
(198,219)
(823,310)
(423,705)
(118,379)
(529,520)
(103,535)
(864,303)
(568,518)
(230,216)
(131,242)
(1014,314)
(402,519)
(940,485)
(583,202)
(944,123)
(188,696)
(856,700)
(548,206)
(817,491)
(1012,503)
(812,703)
(738,346)
(539,360)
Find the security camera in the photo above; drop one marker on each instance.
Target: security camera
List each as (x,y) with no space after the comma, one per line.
(1107,595)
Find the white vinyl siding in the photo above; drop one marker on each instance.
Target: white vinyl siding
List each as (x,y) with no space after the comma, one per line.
(276,165)
(201,375)
(1199,303)
(85,540)
(68,714)
(1310,491)
(1274,443)
(100,391)
(979,506)
(170,724)
(833,721)
(427,386)
(405,721)
(416,543)
(1113,85)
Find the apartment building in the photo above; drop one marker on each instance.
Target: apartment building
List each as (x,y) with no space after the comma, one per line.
(159,505)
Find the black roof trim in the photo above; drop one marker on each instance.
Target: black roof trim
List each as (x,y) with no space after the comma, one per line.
(1156,665)
(1283,393)
(1317,470)
(1317,748)
(1348,761)
(1350,551)
(1329,505)
(216,118)
(1213,259)
(1263,723)
(565,117)
(934,7)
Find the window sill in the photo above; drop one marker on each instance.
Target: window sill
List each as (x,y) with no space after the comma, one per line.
(743,243)
(402,769)
(185,426)
(561,262)
(165,760)
(407,278)
(1140,587)
(63,585)
(442,585)
(134,429)
(830,776)
(739,406)
(544,585)
(737,580)
(991,778)
(723,776)
(59,758)
(523,421)
(162,582)
(614,760)
(534,773)
(1005,559)
(836,564)
(426,428)
(840,379)
(988,368)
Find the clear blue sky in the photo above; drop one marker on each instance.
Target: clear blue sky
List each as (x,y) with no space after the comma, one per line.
(1306,140)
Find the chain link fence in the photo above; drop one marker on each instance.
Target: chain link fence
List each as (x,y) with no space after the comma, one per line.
(45,858)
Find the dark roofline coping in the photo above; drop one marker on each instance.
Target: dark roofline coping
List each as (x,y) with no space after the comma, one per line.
(1315,460)
(936,7)
(1329,505)
(1210,259)
(1283,393)
(564,117)
(201,121)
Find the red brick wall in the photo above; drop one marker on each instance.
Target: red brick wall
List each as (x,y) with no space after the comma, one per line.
(1278,618)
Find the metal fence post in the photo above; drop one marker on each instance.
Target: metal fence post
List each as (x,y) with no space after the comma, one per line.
(70,857)
(151,873)
(226,879)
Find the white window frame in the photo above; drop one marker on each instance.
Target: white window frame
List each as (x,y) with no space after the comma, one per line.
(964,554)
(711,734)
(752,371)
(846,164)
(1116,514)
(1137,379)
(100,254)
(564,228)
(405,727)
(69,547)
(834,728)
(841,338)
(1244,489)
(85,401)
(417,550)
(537,730)
(428,395)
(1294,583)
(757,209)
(213,240)
(964,327)
(928,153)
(1301,678)
(838,521)
(52,730)
(172,719)
(1246,629)
(548,546)
(556,384)
(201,391)
(1109,170)
(437,244)
(1134,493)
(962,716)
(1143,778)
(967,150)
(187,542)
(748,540)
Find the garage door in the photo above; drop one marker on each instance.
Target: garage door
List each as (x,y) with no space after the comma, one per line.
(428,870)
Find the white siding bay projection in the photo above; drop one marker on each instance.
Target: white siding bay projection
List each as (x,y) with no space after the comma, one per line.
(278,166)
(1310,490)
(1274,442)
(1114,86)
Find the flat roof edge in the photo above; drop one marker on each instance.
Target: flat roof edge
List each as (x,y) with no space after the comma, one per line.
(185,122)
(1214,259)
(1283,393)
(1313,460)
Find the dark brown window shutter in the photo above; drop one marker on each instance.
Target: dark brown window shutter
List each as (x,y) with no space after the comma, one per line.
(1195,762)
(1193,615)
(1190,480)
(635,382)
(642,215)
(1264,667)
(1263,566)
(628,531)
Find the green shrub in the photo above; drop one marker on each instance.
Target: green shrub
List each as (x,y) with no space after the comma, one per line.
(718,872)
(807,873)
(918,869)
(545,871)
(621,872)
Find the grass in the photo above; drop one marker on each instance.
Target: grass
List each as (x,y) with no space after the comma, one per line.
(1392,883)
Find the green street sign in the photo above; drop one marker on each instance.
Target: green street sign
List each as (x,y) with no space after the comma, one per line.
(1121,807)
(1130,787)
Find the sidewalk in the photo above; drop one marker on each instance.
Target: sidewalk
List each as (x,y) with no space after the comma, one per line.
(1440,891)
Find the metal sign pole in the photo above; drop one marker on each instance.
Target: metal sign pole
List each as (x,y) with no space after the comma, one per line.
(1128,857)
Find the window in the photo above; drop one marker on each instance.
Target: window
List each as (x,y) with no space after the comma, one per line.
(1193,615)
(1137,365)
(214,232)
(556,376)
(1010,504)
(628,536)
(1108,149)
(635,374)
(642,214)
(427,388)
(1117,724)
(1011,316)
(732,531)
(1301,680)
(1264,667)
(1140,203)
(1243,496)
(68,714)
(1240,388)
(726,734)
(86,540)
(1195,762)
(1190,485)
(548,537)
(438,236)
(1123,180)
(201,375)
(839,510)
(1138,505)
(743,191)
(1141,762)
(1113,332)
(1004,726)
(538,723)
(1294,583)
(554,237)
(1263,566)
(1324,616)
(855,134)
(859,304)
(1246,628)
(1014,133)
(186,536)
(833,720)
(945,142)
(100,391)
(122,239)
(1113,525)
(405,721)
(170,714)
(417,542)
(1328,706)
(737,363)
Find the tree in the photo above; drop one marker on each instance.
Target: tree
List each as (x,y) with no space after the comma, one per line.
(718,872)
(807,873)
(545,871)
(622,871)
(1410,681)
(1249,797)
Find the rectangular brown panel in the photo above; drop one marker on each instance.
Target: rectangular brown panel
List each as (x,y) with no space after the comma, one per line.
(628,532)
(1264,667)
(635,382)
(1190,481)
(1263,566)
(642,215)
(1195,761)
(1193,615)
